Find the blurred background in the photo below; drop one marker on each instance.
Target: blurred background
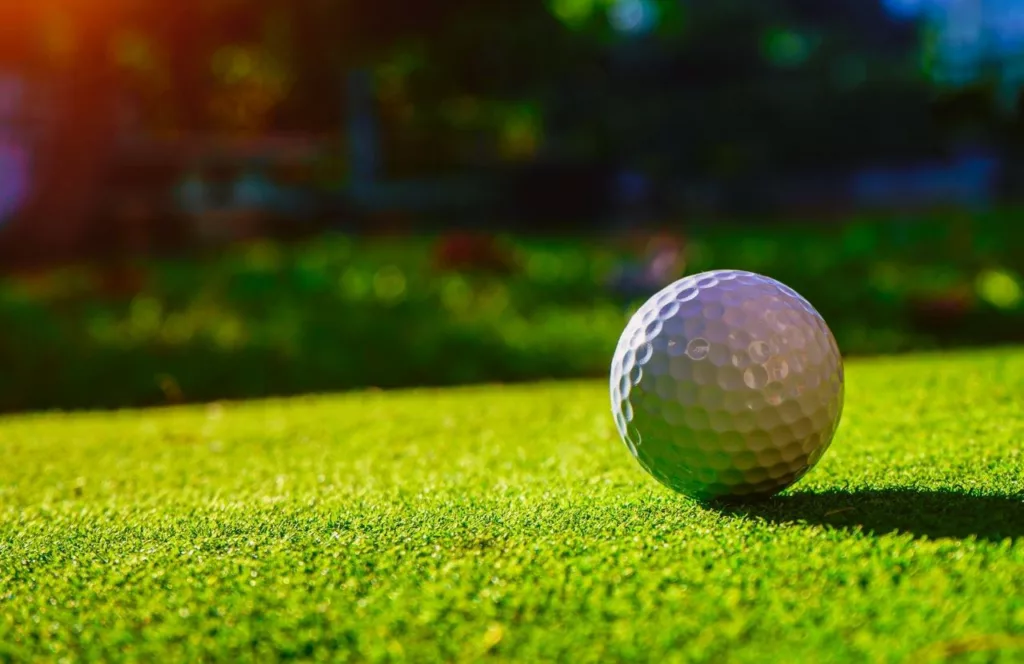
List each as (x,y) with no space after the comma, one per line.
(210,199)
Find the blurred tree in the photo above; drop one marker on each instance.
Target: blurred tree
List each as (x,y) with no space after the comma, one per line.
(66,47)
(724,89)
(193,66)
(746,85)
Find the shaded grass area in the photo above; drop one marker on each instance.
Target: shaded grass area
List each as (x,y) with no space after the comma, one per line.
(337,313)
(931,513)
(510,524)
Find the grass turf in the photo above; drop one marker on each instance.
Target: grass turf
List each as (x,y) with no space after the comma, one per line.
(509,522)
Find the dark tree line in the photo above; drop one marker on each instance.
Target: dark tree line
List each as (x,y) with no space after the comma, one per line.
(723,88)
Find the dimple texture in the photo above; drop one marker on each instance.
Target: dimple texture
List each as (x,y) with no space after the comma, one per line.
(727,385)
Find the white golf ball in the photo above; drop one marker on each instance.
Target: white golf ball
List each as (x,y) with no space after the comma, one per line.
(727,385)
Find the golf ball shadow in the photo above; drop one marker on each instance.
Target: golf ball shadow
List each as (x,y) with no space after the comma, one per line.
(932,513)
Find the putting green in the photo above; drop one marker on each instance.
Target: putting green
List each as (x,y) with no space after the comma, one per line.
(510,522)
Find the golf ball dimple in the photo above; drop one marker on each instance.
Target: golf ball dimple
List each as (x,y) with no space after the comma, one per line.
(727,385)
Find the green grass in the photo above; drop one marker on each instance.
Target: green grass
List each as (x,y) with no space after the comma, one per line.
(509,522)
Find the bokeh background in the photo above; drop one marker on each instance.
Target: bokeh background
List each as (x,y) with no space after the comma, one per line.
(213,199)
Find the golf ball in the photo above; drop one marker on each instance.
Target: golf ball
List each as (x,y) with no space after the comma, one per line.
(727,385)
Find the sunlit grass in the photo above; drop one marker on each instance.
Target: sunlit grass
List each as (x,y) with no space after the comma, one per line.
(510,523)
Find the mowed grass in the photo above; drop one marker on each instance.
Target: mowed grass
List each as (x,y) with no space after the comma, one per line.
(509,523)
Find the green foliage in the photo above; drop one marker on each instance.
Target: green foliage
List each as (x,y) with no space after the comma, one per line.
(336,313)
(510,522)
